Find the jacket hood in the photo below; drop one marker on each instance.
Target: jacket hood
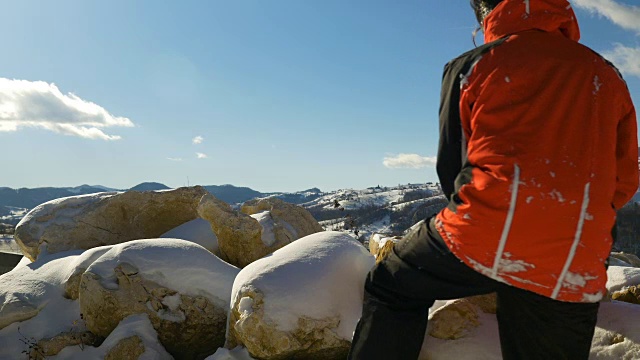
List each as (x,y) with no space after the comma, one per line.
(512,16)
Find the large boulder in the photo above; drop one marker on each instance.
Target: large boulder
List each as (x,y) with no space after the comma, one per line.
(180,286)
(293,221)
(88,221)
(261,228)
(303,301)
(177,284)
(34,314)
(29,288)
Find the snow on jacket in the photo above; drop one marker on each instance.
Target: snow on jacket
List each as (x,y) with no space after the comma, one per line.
(538,148)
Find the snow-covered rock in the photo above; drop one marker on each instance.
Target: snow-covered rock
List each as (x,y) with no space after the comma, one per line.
(237,353)
(239,235)
(303,301)
(623,282)
(619,277)
(87,221)
(378,241)
(198,231)
(53,346)
(182,287)
(617,334)
(290,222)
(29,288)
(243,239)
(183,280)
(32,302)
(133,339)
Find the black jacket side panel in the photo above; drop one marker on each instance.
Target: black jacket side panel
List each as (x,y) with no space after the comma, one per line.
(452,148)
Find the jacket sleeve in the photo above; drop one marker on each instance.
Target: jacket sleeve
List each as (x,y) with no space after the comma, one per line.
(450,152)
(626,160)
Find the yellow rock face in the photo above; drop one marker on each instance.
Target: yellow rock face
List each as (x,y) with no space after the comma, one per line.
(630,295)
(456,319)
(194,328)
(127,349)
(240,237)
(312,339)
(88,221)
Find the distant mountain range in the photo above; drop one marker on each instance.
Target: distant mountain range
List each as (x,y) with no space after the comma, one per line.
(30,198)
(24,198)
(389,210)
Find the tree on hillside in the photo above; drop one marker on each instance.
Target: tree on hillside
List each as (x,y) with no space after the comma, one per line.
(628,222)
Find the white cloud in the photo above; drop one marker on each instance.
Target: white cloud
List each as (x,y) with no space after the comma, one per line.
(411,161)
(42,105)
(174,159)
(197,140)
(625,16)
(201,156)
(627,59)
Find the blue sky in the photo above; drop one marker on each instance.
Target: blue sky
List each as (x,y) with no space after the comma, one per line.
(277,95)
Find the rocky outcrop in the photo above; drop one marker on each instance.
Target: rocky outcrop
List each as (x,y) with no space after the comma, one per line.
(239,235)
(379,241)
(630,295)
(320,322)
(628,271)
(15,309)
(133,339)
(311,339)
(458,317)
(294,222)
(126,349)
(52,346)
(384,251)
(187,326)
(243,239)
(88,221)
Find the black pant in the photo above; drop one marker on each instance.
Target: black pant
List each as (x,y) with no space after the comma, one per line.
(421,269)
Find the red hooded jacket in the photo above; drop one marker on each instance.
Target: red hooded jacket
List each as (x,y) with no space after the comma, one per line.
(538,149)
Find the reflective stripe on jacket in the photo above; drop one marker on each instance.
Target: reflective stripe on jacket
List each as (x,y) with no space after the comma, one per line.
(538,148)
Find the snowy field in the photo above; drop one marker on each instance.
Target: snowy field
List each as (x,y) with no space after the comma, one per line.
(15,213)
(8,245)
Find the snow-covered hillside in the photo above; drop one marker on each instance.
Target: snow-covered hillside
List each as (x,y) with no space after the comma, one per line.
(388,210)
(8,245)
(12,214)
(351,199)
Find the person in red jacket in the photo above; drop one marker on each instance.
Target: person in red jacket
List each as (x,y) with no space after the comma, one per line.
(538,149)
